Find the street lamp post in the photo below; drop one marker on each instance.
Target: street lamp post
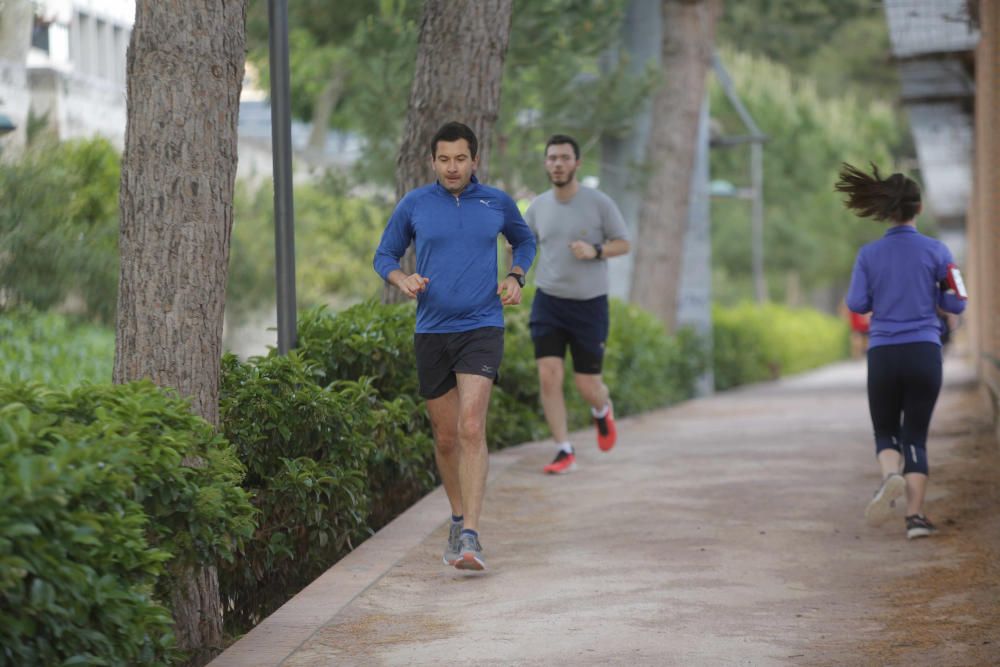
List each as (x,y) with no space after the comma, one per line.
(281,151)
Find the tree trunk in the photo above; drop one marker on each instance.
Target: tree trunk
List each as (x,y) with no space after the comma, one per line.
(460,55)
(185,70)
(623,158)
(326,102)
(688,38)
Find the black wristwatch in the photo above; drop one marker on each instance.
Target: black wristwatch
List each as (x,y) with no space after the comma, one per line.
(518,277)
(599,249)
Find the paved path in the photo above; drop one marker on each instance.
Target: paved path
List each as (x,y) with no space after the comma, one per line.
(723,531)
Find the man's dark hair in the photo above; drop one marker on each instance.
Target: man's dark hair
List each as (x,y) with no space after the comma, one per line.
(895,199)
(454,131)
(556,139)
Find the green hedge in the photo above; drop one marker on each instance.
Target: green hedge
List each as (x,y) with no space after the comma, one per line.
(644,367)
(96,509)
(754,343)
(326,463)
(53,349)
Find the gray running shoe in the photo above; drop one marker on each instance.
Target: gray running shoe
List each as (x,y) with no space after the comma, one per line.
(880,508)
(454,549)
(471,554)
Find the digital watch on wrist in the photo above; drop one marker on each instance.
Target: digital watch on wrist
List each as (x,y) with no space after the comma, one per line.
(518,277)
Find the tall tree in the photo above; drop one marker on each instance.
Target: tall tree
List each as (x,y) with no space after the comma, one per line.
(623,155)
(460,54)
(184,74)
(688,35)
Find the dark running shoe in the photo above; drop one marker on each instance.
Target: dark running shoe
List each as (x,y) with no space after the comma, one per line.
(563,463)
(607,433)
(471,556)
(880,508)
(917,525)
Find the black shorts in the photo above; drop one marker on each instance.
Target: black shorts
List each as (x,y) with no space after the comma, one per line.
(440,356)
(580,324)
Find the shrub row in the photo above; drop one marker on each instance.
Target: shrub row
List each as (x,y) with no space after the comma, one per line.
(95,509)
(754,343)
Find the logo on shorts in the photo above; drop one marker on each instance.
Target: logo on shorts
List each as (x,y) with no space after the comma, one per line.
(487,369)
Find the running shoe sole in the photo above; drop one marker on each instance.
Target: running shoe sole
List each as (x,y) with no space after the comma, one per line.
(880,509)
(912,533)
(562,471)
(469,561)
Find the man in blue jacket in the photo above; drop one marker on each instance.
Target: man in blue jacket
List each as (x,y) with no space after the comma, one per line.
(459,336)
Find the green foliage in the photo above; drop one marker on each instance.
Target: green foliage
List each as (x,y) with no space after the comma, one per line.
(567,91)
(793,33)
(808,234)
(104,491)
(335,239)
(370,47)
(754,343)
(53,349)
(59,227)
(324,462)
(648,368)
(370,339)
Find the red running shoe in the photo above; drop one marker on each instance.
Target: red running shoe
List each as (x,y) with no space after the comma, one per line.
(607,434)
(563,463)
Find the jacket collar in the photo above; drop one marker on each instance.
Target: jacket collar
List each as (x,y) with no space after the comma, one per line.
(901,229)
(473,183)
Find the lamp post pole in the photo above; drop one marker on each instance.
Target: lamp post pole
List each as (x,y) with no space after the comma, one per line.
(281,150)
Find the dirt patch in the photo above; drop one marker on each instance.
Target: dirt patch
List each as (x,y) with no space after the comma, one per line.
(949,615)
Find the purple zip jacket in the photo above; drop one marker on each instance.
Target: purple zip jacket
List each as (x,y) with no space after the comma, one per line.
(897,278)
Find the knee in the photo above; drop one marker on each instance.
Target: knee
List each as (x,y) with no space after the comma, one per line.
(471,429)
(590,386)
(446,440)
(550,377)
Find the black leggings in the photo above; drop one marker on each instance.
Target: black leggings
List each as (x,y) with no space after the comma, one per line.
(903,385)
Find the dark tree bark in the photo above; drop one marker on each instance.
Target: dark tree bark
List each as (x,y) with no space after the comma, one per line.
(460,55)
(688,31)
(185,71)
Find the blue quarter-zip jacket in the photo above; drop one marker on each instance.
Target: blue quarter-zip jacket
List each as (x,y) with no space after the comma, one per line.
(897,278)
(456,245)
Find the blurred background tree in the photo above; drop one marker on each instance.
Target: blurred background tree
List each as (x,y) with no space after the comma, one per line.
(807,71)
(59,228)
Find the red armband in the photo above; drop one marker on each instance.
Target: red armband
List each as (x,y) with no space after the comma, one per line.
(955,282)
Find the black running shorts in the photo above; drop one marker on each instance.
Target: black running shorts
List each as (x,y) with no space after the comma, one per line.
(582,325)
(441,356)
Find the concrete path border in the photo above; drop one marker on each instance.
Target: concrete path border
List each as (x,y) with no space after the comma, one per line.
(294,623)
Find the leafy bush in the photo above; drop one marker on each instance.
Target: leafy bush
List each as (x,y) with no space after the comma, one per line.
(320,459)
(370,339)
(753,343)
(59,227)
(103,492)
(52,349)
(644,366)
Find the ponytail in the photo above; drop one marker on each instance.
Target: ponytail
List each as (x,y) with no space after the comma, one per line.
(895,199)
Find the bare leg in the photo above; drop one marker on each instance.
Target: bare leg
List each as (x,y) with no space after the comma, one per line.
(916,486)
(889,460)
(443,412)
(593,389)
(550,380)
(474,401)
